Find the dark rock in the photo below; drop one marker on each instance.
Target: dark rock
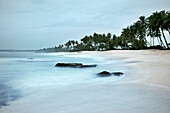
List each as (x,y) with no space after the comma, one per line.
(117,73)
(30,58)
(69,65)
(75,65)
(84,66)
(104,74)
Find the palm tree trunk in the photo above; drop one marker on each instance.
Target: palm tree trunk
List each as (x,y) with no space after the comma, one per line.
(147,42)
(161,42)
(169,31)
(165,38)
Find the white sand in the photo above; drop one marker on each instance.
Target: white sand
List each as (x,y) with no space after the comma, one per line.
(153,66)
(144,90)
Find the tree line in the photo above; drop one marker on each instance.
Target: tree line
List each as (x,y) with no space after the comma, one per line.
(132,37)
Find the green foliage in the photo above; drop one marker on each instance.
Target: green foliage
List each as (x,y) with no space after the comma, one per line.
(157,23)
(52,49)
(132,37)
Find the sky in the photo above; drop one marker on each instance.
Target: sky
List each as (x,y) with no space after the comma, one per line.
(35,24)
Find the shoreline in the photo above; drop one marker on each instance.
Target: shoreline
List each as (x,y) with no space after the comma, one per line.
(148,66)
(154,64)
(136,93)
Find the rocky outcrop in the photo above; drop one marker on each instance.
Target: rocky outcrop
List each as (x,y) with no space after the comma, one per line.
(84,66)
(117,73)
(68,64)
(30,58)
(74,65)
(106,74)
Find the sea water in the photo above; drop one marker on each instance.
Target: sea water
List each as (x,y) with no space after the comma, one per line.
(26,73)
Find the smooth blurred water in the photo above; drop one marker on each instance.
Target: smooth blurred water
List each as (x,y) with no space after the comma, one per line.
(23,73)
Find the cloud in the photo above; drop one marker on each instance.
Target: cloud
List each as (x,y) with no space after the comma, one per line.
(56,21)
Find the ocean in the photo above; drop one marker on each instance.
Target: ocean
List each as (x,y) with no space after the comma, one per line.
(26,74)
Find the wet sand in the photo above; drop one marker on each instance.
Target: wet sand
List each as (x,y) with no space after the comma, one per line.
(152,66)
(145,89)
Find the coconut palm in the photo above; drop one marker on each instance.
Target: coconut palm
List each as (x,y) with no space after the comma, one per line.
(143,24)
(166,20)
(163,24)
(157,22)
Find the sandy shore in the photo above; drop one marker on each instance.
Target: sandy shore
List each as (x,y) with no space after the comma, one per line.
(145,89)
(150,66)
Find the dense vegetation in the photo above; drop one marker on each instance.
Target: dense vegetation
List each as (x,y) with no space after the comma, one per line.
(132,37)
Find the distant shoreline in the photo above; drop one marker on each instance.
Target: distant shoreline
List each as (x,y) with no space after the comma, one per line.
(16,50)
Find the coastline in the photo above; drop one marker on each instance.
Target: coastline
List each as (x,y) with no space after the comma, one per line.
(148,66)
(151,66)
(144,90)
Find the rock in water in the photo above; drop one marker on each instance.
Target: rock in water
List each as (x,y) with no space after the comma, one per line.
(84,66)
(30,58)
(117,73)
(104,74)
(76,65)
(68,64)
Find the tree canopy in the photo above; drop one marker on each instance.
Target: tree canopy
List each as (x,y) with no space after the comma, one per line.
(132,37)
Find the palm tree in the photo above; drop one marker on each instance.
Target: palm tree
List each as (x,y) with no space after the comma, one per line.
(143,24)
(156,24)
(166,20)
(165,23)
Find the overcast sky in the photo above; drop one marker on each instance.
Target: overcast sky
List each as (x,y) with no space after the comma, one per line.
(33,24)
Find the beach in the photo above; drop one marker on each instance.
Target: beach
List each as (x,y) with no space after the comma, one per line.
(144,89)
(153,66)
